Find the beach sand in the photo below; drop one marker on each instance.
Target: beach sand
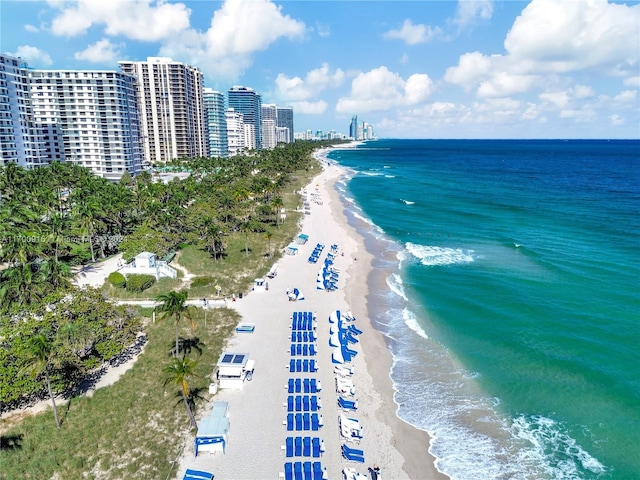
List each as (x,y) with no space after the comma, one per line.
(256,438)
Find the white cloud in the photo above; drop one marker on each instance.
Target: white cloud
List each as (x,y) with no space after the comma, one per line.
(33,56)
(103,51)
(316,81)
(310,108)
(413,34)
(551,38)
(31,28)
(380,89)
(238,29)
(146,20)
(469,11)
(632,81)
(561,36)
(323,30)
(616,120)
(627,97)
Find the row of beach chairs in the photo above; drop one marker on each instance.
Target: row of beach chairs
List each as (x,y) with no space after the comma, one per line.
(303,447)
(304,421)
(302,366)
(303,403)
(303,385)
(304,471)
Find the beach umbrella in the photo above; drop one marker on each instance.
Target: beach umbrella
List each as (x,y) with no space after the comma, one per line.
(336,356)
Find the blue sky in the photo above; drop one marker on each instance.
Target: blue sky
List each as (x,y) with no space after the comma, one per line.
(414,69)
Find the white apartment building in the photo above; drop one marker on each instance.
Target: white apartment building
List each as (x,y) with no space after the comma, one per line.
(235,132)
(170,97)
(89,117)
(21,141)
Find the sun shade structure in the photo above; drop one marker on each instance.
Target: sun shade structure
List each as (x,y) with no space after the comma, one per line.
(213,430)
(234,369)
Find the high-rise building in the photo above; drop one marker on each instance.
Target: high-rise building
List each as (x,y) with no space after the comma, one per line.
(353,127)
(269,123)
(235,132)
(89,117)
(215,124)
(246,101)
(21,141)
(171,108)
(285,120)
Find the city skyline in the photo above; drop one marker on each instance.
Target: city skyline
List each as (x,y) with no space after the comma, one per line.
(469,69)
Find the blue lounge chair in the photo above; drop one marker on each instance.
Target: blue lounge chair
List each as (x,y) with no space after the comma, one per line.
(315,444)
(297,385)
(353,454)
(314,403)
(314,386)
(290,422)
(308,475)
(306,406)
(298,422)
(298,446)
(290,403)
(290,385)
(306,421)
(289,446)
(292,366)
(297,471)
(315,422)
(307,385)
(317,471)
(197,475)
(288,471)
(298,402)
(306,447)
(293,349)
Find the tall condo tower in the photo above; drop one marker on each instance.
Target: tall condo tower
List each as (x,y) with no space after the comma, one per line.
(89,117)
(215,124)
(269,123)
(21,141)
(353,128)
(246,101)
(285,120)
(171,108)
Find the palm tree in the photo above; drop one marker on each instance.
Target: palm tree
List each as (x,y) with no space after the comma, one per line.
(20,285)
(214,232)
(178,372)
(174,305)
(277,204)
(38,354)
(87,211)
(55,273)
(268,236)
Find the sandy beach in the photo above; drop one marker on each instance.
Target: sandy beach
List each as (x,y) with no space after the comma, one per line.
(258,412)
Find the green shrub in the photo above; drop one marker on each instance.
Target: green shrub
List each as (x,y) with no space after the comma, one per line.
(201,281)
(117,279)
(139,283)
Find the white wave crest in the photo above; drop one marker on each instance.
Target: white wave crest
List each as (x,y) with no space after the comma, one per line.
(362,217)
(372,174)
(412,322)
(548,441)
(395,284)
(430,255)
(407,202)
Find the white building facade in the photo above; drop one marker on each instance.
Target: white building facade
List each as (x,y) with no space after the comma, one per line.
(89,117)
(21,141)
(170,96)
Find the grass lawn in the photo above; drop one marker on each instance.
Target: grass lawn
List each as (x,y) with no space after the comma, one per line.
(133,428)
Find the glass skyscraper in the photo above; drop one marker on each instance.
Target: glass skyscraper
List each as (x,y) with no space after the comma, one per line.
(246,101)
(215,124)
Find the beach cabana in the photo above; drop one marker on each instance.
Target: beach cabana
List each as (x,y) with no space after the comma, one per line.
(292,249)
(302,239)
(259,285)
(213,430)
(234,369)
(295,295)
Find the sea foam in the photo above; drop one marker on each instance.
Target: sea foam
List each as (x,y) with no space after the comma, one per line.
(431,255)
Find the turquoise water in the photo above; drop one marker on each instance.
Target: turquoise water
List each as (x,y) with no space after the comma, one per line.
(512,305)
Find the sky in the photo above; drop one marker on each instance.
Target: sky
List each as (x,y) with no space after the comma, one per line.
(411,69)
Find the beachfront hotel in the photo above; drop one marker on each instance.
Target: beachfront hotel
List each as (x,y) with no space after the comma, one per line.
(170,97)
(215,124)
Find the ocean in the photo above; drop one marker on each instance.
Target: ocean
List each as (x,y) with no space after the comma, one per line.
(507,283)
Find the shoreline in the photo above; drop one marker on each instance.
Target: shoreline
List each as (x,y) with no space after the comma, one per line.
(258,411)
(412,442)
